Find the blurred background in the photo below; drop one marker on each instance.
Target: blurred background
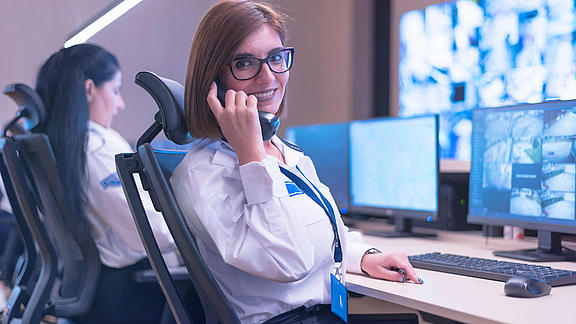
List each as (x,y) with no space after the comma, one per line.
(332,80)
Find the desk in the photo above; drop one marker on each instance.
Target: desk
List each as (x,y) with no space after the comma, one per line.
(467,299)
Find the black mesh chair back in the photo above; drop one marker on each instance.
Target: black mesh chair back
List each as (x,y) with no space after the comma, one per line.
(30,114)
(79,259)
(154,168)
(33,294)
(70,263)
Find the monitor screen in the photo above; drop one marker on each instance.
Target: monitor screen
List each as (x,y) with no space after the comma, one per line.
(523,168)
(394,167)
(327,146)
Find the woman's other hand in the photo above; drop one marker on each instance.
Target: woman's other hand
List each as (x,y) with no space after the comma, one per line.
(393,267)
(239,123)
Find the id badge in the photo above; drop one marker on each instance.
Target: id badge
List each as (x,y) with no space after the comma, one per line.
(339,298)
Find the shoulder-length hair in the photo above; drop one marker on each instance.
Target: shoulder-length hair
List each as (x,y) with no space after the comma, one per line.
(61,85)
(220,32)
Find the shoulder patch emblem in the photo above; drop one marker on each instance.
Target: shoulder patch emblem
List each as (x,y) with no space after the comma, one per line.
(293,189)
(111,181)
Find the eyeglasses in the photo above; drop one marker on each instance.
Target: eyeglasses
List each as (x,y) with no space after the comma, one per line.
(249,67)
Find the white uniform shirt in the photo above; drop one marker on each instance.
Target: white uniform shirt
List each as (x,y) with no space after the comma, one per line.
(107,211)
(270,250)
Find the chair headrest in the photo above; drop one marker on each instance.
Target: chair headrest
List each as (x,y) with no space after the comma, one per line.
(29,102)
(169,96)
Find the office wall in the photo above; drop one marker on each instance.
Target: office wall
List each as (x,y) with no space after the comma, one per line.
(331,80)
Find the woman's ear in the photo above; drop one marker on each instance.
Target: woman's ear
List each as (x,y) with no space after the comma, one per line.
(90,88)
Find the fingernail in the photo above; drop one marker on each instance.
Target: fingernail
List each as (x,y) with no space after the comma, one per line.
(403,279)
(420,280)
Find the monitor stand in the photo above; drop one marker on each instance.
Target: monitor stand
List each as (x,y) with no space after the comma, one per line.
(549,249)
(402,228)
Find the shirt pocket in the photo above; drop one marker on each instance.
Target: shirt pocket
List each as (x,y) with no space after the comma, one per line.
(310,212)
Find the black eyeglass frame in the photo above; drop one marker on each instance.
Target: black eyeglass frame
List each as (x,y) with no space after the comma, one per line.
(264,60)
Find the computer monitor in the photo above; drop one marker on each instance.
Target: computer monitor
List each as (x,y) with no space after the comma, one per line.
(327,146)
(523,173)
(394,170)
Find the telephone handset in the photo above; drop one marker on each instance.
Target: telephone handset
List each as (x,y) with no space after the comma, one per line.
(268,122)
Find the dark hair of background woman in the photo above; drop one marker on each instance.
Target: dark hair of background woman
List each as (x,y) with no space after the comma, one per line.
(61,84)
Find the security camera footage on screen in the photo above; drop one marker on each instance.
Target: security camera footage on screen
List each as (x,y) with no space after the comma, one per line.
(528,160)
(461,55)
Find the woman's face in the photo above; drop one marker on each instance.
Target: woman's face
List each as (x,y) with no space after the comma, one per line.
(267,86)
(105,101)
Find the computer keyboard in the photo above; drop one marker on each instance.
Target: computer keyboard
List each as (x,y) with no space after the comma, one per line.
(490,269)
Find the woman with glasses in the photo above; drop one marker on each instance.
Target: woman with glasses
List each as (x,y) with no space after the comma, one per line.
(268,229)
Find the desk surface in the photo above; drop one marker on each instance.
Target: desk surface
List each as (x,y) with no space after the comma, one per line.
(467,299)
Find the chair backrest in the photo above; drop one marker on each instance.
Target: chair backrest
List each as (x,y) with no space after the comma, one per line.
(70,261)
(32,111)
(31,294)
(79,258)
(154,169)
(30,114)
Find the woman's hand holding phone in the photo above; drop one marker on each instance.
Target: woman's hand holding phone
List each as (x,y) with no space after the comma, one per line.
(239,123)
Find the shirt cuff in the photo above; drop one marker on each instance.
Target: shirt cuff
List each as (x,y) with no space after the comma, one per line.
(262,181)
(355,253)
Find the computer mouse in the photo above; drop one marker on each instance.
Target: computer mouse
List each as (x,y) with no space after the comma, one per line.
(526,286)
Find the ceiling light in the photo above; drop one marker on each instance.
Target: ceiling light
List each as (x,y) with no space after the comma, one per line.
(101,22)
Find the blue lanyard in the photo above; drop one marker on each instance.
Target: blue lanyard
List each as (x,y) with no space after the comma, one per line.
(325,206)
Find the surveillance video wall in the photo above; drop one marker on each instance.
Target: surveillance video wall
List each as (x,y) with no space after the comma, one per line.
(462,55)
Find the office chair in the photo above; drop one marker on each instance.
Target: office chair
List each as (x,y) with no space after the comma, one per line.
(69,261)
(154,168)
(19,255)
(79,260)
(35,294)
(24,211)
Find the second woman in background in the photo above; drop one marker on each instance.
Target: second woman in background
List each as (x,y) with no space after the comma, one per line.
(80,87)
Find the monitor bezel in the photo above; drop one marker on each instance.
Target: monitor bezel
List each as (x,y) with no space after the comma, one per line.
(533,225)
(385,212)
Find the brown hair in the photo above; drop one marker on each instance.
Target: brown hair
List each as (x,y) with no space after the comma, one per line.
(220,32)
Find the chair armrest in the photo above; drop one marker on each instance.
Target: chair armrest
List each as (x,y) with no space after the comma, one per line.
(147,276)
